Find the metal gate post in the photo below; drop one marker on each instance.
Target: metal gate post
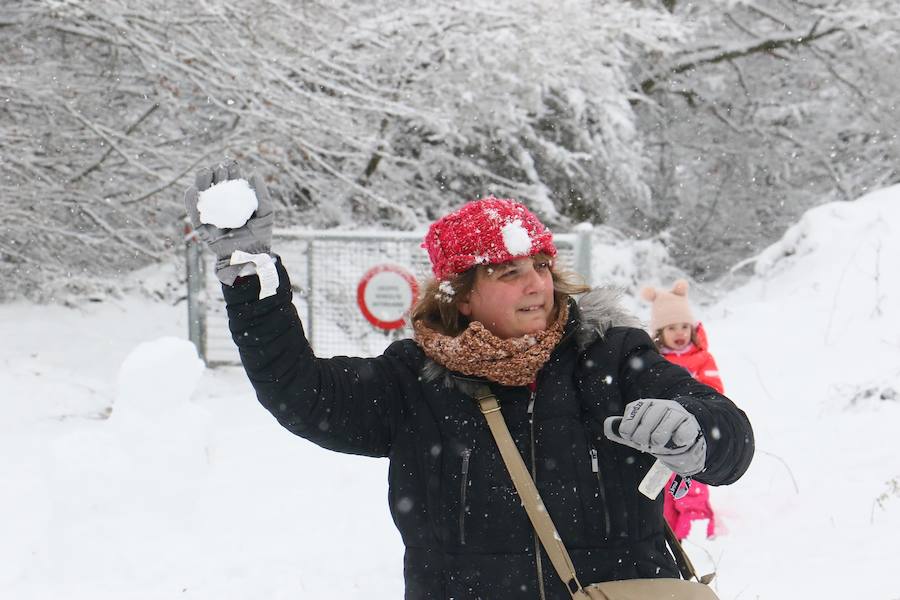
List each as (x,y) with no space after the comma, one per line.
(196,297)
(310,296)
(583,251)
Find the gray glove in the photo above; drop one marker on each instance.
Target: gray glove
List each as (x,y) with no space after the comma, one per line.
(663,428)
(254,237)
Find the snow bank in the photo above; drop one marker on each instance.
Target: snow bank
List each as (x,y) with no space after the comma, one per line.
(134,472)
(810,348)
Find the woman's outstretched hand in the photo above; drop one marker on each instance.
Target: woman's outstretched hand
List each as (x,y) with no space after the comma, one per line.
(663,428)
(254,237)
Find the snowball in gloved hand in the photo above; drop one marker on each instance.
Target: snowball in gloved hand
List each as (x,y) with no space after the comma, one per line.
(227,205)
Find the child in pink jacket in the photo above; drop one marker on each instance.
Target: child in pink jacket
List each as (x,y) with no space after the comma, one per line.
(682,340)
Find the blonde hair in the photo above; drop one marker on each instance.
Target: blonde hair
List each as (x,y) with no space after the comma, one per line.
(438,306)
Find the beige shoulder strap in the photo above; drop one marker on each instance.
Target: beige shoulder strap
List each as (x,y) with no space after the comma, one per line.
(685,566)
(534,506)
(540,519)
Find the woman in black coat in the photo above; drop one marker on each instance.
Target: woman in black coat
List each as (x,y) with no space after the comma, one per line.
(498,311)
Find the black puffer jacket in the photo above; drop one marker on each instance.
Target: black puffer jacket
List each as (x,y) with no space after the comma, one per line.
(466,533)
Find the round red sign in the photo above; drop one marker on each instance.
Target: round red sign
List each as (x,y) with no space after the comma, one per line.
(386,294)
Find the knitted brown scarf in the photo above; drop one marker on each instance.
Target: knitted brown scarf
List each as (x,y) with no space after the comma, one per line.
(477,351)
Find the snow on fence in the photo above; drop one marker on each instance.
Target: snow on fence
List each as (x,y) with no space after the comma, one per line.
(326,268)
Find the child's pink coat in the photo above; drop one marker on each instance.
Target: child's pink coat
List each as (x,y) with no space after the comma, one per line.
(698,361)
(695,505)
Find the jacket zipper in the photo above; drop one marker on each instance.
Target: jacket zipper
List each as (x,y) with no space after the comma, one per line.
(537,541)
(466,454)
(595,467)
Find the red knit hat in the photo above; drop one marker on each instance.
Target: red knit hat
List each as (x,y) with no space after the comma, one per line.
(485,232)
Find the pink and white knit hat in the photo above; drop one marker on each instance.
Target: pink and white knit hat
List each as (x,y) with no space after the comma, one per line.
(485,232)
(668,308)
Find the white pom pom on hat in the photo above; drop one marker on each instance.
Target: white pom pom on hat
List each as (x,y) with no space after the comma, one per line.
(669,307)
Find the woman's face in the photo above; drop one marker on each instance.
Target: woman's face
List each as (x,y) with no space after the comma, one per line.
(677,336)
(512,299)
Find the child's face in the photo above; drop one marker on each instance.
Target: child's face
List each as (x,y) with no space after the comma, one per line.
(676,336)
(512,299)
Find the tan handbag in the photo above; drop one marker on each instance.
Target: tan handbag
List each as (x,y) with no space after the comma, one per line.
(629,589)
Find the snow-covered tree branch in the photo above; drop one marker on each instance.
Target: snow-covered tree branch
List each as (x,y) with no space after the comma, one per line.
(773,107)
(655,117)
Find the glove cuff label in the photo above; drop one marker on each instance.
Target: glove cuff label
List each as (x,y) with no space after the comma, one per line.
(655,480)
(265,270)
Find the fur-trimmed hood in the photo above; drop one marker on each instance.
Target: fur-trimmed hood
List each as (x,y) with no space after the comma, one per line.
(598,311)
(589,319)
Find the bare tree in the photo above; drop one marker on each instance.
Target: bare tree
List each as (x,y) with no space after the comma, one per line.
(774,106)
(707,123)
(381,112)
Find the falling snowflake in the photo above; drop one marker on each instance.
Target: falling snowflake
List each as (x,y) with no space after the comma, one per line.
(404,505)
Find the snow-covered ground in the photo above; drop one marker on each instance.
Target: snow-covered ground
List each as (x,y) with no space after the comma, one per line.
(191,490)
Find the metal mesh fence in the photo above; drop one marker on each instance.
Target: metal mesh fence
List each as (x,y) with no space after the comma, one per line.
(325,269)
